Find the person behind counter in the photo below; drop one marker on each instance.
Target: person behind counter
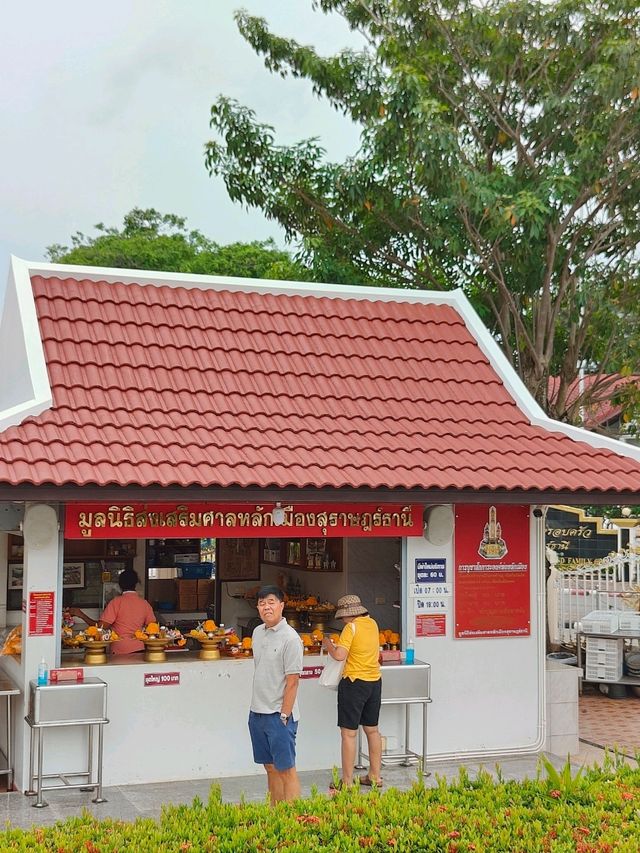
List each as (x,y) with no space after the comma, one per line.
(125,613)
(360,689)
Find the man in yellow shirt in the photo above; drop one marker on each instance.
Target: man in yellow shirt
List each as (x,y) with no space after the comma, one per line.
(360,689)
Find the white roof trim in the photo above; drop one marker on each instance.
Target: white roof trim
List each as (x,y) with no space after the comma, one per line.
(22,333)
(23,270)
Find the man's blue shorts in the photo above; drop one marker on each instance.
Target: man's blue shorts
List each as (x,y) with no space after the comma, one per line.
(273,742)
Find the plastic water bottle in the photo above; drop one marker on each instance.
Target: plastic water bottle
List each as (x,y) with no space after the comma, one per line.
(410,653)
(43,672)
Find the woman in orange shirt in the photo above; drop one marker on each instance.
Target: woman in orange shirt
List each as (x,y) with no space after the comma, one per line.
(125,613)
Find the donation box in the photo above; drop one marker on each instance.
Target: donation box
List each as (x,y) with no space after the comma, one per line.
(68,702)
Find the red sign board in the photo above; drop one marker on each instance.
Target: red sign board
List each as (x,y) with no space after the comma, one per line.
(491,589)
(161,679)
(71,674)
(238,521)
(41,614)
(431,625)
(311,671)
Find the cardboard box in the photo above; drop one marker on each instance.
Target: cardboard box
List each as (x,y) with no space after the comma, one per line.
(163,590)
(204,585)
(188,602)
(187,586)
(204,600)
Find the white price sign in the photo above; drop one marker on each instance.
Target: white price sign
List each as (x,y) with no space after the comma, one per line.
(435,604)
(417,590)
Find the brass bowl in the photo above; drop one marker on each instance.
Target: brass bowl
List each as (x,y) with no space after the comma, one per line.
(95,652)
(155,650)
(210,648)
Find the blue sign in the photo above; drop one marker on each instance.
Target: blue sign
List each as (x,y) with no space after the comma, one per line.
(431,570)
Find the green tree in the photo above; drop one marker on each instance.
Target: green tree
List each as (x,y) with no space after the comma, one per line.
(499,153)
(149,240)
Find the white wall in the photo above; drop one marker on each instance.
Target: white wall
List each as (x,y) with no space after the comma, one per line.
(486,692)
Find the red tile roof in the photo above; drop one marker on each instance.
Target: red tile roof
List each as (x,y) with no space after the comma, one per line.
(211,387)
(598,389)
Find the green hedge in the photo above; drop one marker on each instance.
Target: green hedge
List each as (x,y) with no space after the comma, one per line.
(595,812)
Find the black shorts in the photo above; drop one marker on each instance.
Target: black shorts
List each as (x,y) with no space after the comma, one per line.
(359,703)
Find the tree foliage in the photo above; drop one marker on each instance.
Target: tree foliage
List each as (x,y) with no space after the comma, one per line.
(499,154)
(149,240)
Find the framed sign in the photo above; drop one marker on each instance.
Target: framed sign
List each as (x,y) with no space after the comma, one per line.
(73,575)
(14,577)
(238,560)
(492,587)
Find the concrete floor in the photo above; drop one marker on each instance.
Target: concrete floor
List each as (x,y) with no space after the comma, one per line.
(603,723)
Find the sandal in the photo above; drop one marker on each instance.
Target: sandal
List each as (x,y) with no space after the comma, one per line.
(371,783)
(334,787)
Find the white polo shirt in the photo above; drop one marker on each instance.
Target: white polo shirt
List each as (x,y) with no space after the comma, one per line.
(277,652)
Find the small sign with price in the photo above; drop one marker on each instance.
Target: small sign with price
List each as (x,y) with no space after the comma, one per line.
(311,671)
(431,570)
(161,679)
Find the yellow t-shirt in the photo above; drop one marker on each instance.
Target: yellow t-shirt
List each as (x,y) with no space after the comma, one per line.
(363,649)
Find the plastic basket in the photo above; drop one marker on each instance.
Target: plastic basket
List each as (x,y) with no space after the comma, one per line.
(196,571)
(606,659)
(629,622)
(603,673)
(601,621)
(600,644)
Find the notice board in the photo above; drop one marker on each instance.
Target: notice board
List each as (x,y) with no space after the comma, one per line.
(238,559)
(491,563)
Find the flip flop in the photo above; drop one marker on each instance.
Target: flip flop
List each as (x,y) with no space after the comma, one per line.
(370,783)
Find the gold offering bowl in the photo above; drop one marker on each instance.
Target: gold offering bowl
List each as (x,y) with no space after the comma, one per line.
(95,651)
(293,617)
(210,647)
(155,649)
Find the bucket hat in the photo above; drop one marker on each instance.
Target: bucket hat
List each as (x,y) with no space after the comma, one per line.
(350,605)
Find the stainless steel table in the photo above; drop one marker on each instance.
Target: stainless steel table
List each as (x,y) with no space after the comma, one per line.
(81,703)
(404,684)
(620,635)
(8,689)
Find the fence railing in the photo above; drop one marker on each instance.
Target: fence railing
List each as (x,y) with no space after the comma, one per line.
(612,583)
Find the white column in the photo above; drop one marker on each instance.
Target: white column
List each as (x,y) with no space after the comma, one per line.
(42,573)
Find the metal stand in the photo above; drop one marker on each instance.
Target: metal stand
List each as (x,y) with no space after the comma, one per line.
(87,783)
(60,706)
(408,757)
(407,685)
(8,689)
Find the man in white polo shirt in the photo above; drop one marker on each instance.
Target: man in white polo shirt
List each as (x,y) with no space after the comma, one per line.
(273,718)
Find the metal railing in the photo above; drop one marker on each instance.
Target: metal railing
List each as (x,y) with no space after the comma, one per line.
(612,583)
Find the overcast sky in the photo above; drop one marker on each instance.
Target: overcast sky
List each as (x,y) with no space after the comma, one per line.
(105,106)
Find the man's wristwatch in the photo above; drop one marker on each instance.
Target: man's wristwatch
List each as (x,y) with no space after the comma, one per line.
(284,718)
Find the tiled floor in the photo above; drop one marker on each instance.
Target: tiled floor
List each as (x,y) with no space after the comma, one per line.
(604,723)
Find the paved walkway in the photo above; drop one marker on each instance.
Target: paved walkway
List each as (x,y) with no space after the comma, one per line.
(603,723)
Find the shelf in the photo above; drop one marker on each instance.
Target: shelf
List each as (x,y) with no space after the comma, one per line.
(626,679)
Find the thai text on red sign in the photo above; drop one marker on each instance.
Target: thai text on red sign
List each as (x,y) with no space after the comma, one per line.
(431,625)
(311,671)
(206,520)
(41,613)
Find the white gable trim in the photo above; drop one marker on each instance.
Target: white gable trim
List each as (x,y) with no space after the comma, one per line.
(24,387)
(23,270)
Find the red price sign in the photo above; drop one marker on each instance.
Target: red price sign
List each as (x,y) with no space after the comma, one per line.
(161,679)
(41,614)
(311,671)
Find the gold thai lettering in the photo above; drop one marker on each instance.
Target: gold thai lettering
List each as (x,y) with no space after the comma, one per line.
(195,519)
(376,519)
(230,519)
(298,519)
(258,518)
(405,515)
(171,519)
(114,514)
(244,519)
(141,518)
(128,516)
(85,519)
(183,515)
(365,521)
(100,519)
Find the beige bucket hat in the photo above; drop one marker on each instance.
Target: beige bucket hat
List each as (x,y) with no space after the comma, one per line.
(350,605)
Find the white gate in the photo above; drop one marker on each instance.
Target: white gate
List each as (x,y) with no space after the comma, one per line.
(612,583)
